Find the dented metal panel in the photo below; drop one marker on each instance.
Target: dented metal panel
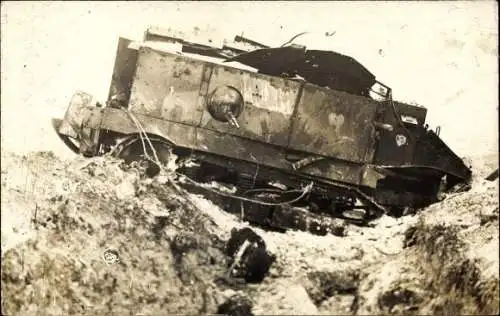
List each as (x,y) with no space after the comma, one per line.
(179,134)
(168,86)
(333,123)
(337,170)
(241,148)
(396,146)
(82,111)
(123,71)
(268,105)
(407,110)
(260,153)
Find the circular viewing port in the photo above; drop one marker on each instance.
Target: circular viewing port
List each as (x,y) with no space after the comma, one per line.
(224,102)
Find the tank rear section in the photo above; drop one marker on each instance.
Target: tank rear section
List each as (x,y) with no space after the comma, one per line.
(351,150)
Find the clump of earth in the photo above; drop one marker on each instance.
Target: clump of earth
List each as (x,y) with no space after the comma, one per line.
(95,235)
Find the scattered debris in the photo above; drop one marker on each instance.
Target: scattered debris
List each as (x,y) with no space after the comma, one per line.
(250,258)
(492,176)
(236,305)
(399,300)
(172,253)
(324,284)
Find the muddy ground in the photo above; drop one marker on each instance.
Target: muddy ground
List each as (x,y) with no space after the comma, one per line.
(94,235)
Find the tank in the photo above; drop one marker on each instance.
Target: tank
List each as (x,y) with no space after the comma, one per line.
(284,125)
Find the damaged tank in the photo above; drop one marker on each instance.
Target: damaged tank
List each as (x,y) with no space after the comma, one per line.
(287,126)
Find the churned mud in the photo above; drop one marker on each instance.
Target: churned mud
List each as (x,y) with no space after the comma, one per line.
(95,235)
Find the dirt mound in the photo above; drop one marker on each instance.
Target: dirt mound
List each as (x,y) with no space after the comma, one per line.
(107,209)
(449,264)
(452,280)
(95,235)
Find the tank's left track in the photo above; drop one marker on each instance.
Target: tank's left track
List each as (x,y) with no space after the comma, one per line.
(275,199)
(317,211)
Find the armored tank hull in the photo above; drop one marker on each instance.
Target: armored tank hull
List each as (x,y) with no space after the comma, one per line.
(286,126)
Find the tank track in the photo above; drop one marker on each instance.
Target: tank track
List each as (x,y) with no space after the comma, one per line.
(328,189)
(318,211)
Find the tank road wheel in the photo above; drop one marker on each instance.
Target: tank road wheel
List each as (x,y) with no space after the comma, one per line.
(133,150)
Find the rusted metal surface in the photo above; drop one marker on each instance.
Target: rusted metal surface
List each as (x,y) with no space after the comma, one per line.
(80,112)
(241,148)
(271,156)
(397,146)
(117,120)
(268,105)
(123,72)
(334,124)
(336,170)
(82,123)
(178,134)
(176,88)
(418,112)
(168,87)
(431,151)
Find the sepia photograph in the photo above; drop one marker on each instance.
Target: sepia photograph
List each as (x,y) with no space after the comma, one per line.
(249,158)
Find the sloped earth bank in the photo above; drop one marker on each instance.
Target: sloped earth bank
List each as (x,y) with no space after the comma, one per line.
(93,235)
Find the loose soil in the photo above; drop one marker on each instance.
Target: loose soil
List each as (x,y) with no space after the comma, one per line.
(64,220)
